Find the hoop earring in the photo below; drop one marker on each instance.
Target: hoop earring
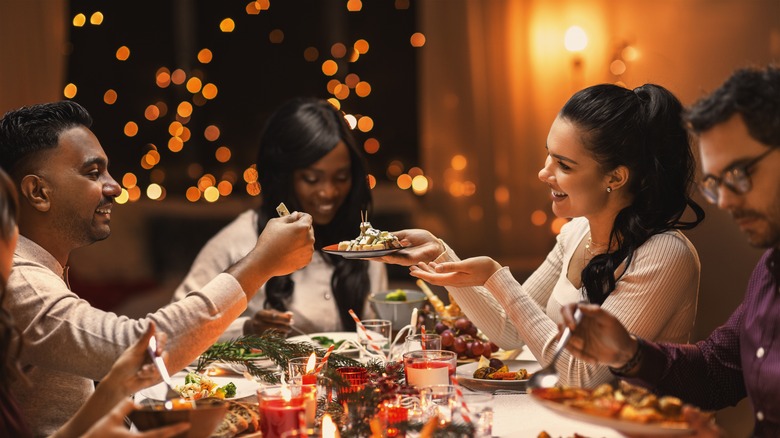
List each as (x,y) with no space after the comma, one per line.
(609,189)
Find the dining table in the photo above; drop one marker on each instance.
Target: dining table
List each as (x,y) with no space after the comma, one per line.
(515,414)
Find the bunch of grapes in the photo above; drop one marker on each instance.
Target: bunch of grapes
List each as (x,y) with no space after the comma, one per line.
(461,337)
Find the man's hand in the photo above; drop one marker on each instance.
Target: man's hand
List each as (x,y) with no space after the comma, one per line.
(268,319)
(133,369)
(287,243)
(474,271)
(599,337)
(420,246)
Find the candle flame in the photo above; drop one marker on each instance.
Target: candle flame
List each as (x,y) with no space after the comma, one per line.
(311,363)
(329,429)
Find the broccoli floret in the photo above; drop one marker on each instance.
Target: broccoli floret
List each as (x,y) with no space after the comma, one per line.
(230,390)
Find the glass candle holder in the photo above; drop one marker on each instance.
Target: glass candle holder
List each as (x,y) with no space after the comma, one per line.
(429,367)
(380,332)
(422,342)
(281,409)
(356,377)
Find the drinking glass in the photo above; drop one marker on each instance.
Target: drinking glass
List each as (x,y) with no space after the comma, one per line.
(422,342)
(379,332)
(429,367)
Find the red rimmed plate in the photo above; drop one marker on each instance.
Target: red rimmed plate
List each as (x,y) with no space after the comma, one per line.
(334,249)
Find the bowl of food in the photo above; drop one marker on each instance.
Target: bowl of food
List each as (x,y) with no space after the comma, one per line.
(204,415)
(397,305)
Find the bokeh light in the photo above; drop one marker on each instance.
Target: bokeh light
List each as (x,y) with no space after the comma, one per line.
(205,56)
(70,91)
(96,18)
(459,162)
(109,97)
(222,154)
(538,218)
(123,53)
(417,39)
(575,39)
(227,25)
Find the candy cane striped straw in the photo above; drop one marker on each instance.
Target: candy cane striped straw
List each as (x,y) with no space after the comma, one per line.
(459,393)
(325,358)
(362,327)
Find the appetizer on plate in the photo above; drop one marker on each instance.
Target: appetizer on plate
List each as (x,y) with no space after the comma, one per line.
(197,386)
(494,369)
(370,239)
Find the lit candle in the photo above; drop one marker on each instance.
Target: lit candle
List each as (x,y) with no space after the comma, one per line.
(280,410)
(309,390)
(429,367)
(329,429)
(310,376)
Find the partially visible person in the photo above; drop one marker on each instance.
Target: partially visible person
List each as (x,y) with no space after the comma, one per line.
(309,160)
(620,164)
(129,374)
(66,199)
(738,127)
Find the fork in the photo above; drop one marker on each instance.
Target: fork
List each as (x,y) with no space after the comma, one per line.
(547,377)
(171,393)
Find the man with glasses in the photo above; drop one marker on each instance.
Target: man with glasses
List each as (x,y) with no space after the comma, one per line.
(738,127)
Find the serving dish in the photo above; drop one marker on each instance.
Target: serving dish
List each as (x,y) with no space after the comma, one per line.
(334,249)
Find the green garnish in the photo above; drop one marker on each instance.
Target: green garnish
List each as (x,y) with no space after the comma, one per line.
(398,295)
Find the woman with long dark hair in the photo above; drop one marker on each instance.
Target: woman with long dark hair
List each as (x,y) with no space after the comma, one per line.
(309,160)
(620,164)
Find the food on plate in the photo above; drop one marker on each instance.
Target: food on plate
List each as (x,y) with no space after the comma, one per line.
(240,419)
(326,342)
(370,239)
(282,210)
(494,369)
(627,402)
(397,295)
(462,337)
(197,386)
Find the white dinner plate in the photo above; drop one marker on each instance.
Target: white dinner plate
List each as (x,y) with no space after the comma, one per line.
(466,378)
(334,249)
(623,426)
(244,388)
(336,336)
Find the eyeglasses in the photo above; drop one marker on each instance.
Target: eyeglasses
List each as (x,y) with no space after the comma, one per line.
(736,178)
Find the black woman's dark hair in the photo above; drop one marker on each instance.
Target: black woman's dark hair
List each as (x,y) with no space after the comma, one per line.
(643,130)
(9,208)
(752,93)
(26,131)
(298,134)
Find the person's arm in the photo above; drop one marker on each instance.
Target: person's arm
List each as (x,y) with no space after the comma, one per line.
(131,372)
(661,282)
(58,325)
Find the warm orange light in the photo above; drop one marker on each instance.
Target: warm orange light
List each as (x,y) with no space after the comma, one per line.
(184,109)
(79,20)
(361,46)
(194,85)
(211,194)
(123,53)
(469,188)
(538,218)
(122,198)
(351,80)
(252,8)
(341,91)
(225,188)
(311,54)
(175,144)
(70,91)
(253,189)
(417,39)
(459,162)
(276,36)
(338,50)
(129,180)
(363,89)
(456,189)
(211,133)
(131,129)
(152,112)
(354,5)
(329,429)
(193,194)
(394,169)
(178,76)
(630,53)
(222,154)
(371,146)
(163,79)
(210,91)
(96,18)
(575,39)
(175,129)
(501,195)
(227,25)
(110,97)
(371,181)
(335,102)
(134,194)
(365,124)
(404,181)
(250,175)
(329,67)
(311,363)
(419,185)
(617,67)
(263,5)
(557,224)
(415,171)
(185,134)
(332,84)
(205,56)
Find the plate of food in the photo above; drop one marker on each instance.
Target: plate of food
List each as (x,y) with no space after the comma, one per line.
(370,243)
(493,375)
(194,386)
(628,409)
(326,339)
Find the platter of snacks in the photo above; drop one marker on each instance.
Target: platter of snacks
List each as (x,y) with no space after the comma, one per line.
(370,243)
(628,409)
(194,386)
(494,374)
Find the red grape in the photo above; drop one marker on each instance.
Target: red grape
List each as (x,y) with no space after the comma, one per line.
(440,327)
(477,348)
(447,338)
(459,346)
(463,324)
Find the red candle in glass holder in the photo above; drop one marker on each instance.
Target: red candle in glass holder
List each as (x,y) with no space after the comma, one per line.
(279,414)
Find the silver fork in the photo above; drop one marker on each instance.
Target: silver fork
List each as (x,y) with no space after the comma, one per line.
(547,377)
(171,394)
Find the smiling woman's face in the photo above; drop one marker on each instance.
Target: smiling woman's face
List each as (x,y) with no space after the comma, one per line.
(322,187)
(578,187)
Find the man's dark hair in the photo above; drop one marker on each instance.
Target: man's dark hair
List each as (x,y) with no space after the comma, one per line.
(750,92)
(27,131)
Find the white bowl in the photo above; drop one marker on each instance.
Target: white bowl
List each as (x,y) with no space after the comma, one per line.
(399,312)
